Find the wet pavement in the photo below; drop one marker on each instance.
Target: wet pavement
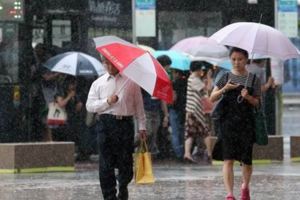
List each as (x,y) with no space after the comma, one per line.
(174,180)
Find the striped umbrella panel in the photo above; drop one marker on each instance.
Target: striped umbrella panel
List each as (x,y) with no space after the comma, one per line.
(76,64)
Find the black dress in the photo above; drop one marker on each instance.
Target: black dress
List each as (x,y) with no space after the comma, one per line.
(237,128)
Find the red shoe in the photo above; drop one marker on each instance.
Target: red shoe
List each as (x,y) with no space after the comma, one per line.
(230,197)
(245,194)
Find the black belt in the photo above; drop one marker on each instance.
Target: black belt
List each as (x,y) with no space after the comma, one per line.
(114,117)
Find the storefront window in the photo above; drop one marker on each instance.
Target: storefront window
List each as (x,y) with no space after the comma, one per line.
(99,31)
(61,31)
(9,53)
(174,26)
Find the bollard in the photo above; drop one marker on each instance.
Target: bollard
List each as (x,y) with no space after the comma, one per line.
(37,157)
(295,148)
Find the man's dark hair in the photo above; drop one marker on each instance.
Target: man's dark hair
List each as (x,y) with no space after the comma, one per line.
(164,60)
(180,72)
(236,49)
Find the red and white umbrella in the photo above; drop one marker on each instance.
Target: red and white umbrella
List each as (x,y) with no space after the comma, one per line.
(138,65)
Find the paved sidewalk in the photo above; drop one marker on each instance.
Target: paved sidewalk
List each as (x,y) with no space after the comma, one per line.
(174,181)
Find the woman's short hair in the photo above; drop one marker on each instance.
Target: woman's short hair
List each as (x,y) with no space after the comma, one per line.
(236,49)
(199,65)
(164,60)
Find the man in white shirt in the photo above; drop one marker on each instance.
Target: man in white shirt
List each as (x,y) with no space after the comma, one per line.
(116,100)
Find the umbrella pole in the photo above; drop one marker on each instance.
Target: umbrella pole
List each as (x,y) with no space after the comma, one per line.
(121,88)
(240,98)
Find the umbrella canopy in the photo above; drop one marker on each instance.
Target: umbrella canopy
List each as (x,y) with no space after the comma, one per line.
(179,60)
(138,65)
(257,38)
(210,50)
(146,48)
(201,47)
(76,64)
(226,64)
(187,44)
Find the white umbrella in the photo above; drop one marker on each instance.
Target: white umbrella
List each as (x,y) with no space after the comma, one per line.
(257,38)
(201,46)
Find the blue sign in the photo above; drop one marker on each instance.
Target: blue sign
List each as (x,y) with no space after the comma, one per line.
(145,4)
(287,5)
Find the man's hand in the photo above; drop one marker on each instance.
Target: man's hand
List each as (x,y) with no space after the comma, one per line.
(112,99)
(142,134)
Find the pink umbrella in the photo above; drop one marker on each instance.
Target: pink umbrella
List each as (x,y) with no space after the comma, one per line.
(201,47)
(138,65)
(257,38)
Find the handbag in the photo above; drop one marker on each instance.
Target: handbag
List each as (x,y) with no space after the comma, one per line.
(56,115)
(207,105)
(261,132)
(143,165)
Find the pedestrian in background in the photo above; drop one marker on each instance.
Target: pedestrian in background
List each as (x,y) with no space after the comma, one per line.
(196,121)
(163,134)
(177,112)
(258,67)
(202,153)
(116,100)
(241,92)
(166,62)
(43,90)
(156,115)
(68,97)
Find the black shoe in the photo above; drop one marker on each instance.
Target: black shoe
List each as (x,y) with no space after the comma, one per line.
(123,194)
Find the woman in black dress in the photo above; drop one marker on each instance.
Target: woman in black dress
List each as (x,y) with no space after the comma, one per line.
(240,91)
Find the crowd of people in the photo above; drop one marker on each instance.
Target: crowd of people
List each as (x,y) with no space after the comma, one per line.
(170,133)
(112,125)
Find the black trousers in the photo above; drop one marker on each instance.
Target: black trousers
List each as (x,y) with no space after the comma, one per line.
(116,146)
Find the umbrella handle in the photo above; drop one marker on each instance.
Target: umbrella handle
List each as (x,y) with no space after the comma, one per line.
(240,99)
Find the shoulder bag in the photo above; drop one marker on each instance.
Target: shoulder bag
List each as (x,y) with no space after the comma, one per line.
(261,132)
